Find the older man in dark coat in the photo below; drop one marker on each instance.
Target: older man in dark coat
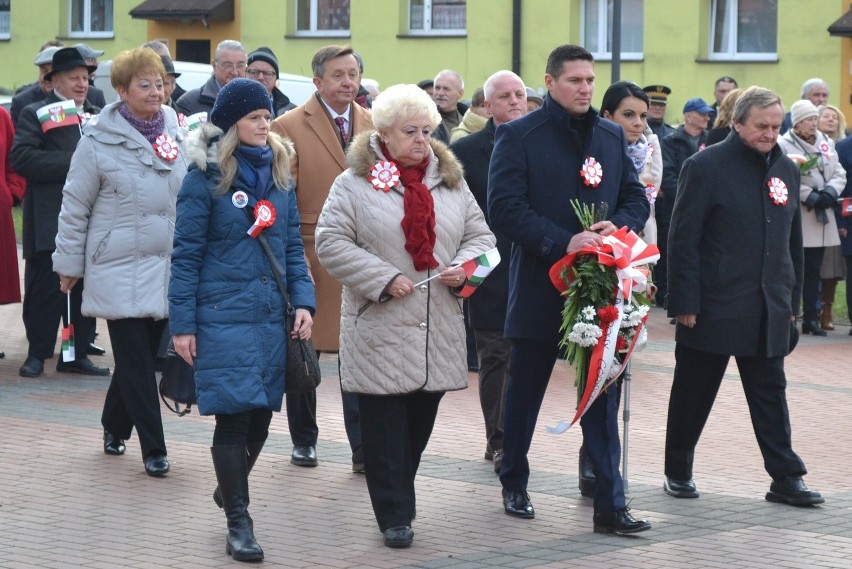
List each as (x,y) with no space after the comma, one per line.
(506,98)
(42,155)
(535,170)
(735,276)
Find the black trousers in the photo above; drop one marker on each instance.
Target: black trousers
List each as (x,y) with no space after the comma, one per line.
(697,378)
(132,399)
(849,285)
(493,351)
(45,306)
(395,430)
(529,373)
(661,267)
(242,429)
(810,286)
(302,418)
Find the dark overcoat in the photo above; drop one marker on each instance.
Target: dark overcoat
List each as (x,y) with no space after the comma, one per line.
(488,303)
(534,172)
(844,152)
(735,256)
(676,149)
(43,159)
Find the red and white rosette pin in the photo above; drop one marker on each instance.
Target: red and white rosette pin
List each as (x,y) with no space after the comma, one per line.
(264,216)
(592,172)
(825,149)
(166,147)
(651,193)
(777,191)
(384,175)
(181,118)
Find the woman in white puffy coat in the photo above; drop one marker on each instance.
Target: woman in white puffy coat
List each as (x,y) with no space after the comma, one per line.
(402,344)
(115,229)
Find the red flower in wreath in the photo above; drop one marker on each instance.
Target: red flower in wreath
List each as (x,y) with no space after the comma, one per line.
(384,175)
(777,191)
(592,172)
(166,147)
(608,314)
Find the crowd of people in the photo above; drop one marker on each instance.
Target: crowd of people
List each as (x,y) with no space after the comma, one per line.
(362,204)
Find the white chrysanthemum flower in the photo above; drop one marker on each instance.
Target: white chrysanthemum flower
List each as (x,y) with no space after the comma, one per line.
(584,334)
(643,337)
(589,313)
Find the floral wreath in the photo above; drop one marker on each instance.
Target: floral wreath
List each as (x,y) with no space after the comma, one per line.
(591,172)
(384,175)
(777,191)
(166,147)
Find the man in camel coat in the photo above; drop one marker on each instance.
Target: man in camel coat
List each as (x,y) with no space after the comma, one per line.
(321,129)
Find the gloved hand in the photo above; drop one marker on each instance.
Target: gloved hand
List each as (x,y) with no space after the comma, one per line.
(825,200)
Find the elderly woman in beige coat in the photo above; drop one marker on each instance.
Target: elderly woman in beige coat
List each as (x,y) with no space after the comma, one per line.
(400,214)
(115,229)
(823,179)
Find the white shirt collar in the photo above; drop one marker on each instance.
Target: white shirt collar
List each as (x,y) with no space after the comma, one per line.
(334,114)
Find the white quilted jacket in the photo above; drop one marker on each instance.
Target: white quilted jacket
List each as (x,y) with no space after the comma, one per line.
(393,346)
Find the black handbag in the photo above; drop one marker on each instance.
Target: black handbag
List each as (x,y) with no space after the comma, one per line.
(303,371)
(177,383)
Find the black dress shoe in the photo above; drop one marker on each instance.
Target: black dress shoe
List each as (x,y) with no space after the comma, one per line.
(83,366)
(2,355)
(157,465)
(792,490)
(399,536)
(358,461)
(518,504)
(33,367)
(813,328)
(94,350)
(113,445)
(587,482)
(680,488)
(619,523)
(304,455)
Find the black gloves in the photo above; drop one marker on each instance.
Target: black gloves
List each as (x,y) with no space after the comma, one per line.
(825,200)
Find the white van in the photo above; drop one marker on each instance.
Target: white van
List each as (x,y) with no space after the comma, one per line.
(193,75)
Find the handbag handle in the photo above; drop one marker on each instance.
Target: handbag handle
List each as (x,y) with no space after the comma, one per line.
(277,269)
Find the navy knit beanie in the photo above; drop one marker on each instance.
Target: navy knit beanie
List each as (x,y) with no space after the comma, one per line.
(237,99)
(264,54)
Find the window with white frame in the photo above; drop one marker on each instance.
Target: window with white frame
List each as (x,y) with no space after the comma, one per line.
(743,29)
(597,28)
(322,17)
(5,19)
(437,17)
(90,18)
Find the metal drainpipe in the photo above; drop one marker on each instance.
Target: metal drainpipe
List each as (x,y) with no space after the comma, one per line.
(516,36)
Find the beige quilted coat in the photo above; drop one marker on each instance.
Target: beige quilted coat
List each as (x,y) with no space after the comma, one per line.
(394,346)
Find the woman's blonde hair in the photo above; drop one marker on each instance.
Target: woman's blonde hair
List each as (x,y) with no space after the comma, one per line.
(131,62)
(399,102)
(227,147)
(841,122)
(726,108)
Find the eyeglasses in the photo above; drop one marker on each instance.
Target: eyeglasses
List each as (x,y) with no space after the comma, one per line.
(258,72)
(228,66)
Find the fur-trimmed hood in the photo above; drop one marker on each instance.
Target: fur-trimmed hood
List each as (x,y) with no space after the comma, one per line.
(364,152)
(200,148)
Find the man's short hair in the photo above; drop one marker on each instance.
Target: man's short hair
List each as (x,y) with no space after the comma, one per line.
(726,79)
(563,53)
(809,85)
(478,99)
(324,54)
(227,45)
(754,96)
(453,74)
(488,88)
(159,47)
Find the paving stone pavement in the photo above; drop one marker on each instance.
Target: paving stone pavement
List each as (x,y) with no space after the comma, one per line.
(63,503)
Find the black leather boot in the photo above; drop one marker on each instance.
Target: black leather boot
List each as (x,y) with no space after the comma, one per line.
(231,467)
(812,327)
(253,451)
(587,484)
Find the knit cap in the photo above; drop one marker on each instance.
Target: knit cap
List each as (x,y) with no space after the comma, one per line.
(264,54)
(237,99)
(801,110)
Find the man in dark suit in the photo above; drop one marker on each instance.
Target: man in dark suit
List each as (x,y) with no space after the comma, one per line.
(506,99)
(42,155)
(735,277)
(535,170)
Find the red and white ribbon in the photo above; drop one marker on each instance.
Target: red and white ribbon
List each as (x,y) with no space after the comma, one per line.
(384,175)
(166,147)
(777,191)
(592,172)
(264,216)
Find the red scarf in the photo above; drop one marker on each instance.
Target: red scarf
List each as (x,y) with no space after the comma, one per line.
(418,220)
